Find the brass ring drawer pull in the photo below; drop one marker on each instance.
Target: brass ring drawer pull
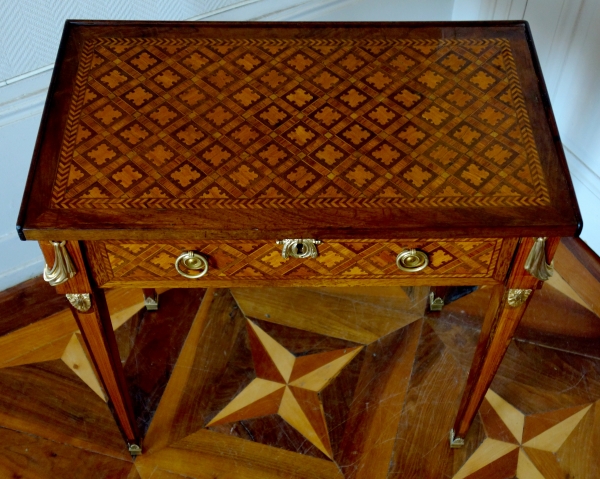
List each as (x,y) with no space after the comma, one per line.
(412,260)
(194,261)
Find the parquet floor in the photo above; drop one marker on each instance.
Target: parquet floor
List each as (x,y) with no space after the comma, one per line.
(305,383)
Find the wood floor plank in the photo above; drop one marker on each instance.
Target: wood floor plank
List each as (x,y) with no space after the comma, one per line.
(339,317)
(535,424)
(545,462)
(26,456)
(510,416)
(584,254)
(376,410)
(558,283)
(209,454)
(32,343)
(159,338)
(526,468)
(553,438)
(46,339)
(579,456)
(212,350)
(532,378)
(50,401)
(493,454)
(584,282)
(123,304)
(126,334)
(542,325)
(152,472)
(368,293)
(28,302)
(536,379)
(46,352)
(495,427)
(401,298)
(421,448)
(544,383)
(221,363)
(165,421)
(542,322)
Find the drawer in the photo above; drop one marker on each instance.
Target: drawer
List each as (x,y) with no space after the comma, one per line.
(341,262)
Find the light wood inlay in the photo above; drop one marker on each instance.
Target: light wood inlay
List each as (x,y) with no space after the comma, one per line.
(281,357)
(535,424)
(551,439)
(490,451)
(319,378)
(526,468)
(313,428)
(537,457)
(510,415)
(260,398)
(295,400)
(76,358)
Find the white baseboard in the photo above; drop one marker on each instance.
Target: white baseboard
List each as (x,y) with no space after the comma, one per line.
(25,98)
(16,269)
(20,274)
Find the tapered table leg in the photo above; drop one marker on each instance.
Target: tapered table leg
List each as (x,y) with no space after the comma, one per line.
(507,306)
(96,329)
(70,275)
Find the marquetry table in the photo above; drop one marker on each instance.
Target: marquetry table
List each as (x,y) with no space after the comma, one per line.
(297,154)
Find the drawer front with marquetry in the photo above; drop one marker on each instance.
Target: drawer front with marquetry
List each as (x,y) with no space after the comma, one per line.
(260,262)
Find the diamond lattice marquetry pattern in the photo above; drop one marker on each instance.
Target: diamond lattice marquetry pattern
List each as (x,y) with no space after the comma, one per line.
(204,123)
(354,259)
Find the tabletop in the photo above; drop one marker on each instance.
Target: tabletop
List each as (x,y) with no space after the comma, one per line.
(163,130)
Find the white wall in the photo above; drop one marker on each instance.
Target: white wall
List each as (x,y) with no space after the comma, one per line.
(567,38)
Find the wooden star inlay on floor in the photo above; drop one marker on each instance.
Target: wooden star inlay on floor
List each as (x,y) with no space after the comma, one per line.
(517,445)
(288,386)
